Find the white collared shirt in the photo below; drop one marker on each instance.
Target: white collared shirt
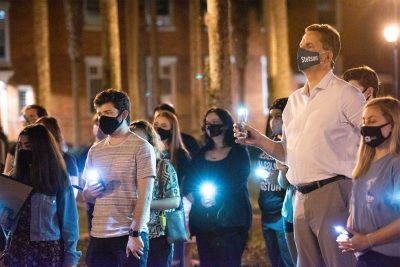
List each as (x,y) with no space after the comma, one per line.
(322,130)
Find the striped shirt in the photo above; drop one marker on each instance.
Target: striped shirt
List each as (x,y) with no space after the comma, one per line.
(119,167)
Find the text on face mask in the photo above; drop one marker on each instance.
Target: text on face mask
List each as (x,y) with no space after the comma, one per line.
(309,59)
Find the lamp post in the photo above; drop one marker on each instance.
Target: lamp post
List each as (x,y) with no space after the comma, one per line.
(391,34)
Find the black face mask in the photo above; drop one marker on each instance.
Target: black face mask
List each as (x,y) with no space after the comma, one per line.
(306,59)
(164,134)
(214,129)
(109,124)
(24,157)
(373,135)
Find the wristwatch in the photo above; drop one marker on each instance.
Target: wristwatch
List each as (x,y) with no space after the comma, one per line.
(133,233)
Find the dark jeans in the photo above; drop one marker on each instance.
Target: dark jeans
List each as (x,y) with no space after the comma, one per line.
(220,249)
(179,253)
(110,252)
(89,213)
(275,240)
(160,253)
(375,259)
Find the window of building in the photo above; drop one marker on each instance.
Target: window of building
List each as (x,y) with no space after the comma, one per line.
(164,15)
(4,34)
(167,82)
(92,14)
(25,97)
(93,80)
(3,107)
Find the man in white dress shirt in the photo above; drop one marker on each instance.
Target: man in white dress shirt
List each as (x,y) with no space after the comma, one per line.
(321,135)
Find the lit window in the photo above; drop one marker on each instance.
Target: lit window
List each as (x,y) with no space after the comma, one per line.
(25,97)
(164,15)
(167,81)
(93,80)
(4,34)
(92,14)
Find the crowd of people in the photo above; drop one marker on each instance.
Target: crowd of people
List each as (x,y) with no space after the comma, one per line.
(329,167)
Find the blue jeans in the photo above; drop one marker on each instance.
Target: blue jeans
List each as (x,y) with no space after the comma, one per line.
(278,252)
(110,252)
(160,253)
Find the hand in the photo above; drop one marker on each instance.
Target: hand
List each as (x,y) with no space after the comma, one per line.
(93,191)
(135,246)
(252,135)
(282,167)
(357,243)
(207,202)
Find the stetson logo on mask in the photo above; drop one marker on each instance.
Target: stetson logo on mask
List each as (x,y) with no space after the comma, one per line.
(306,59)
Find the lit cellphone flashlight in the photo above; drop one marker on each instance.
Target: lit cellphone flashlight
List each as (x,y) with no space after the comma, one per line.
(208,191)
(242,120)
(344,235)
(93,177)
(262,173)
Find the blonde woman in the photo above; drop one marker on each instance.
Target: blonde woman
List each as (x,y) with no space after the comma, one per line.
(374,222)
(165,197)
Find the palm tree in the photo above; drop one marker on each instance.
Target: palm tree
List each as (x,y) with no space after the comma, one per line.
(240,25)
(154,53)
(111,52)
(279,72)
(218,37)
(132,46)
(42,51)
(196,64)
(74,21)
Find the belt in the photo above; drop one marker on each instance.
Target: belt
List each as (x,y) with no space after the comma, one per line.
(308,188)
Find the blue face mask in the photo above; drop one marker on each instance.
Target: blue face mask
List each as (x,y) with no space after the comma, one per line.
(306,59)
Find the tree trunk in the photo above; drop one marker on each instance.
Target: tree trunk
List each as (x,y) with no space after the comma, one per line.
(240,33)
(196,65)
(132,46)
(110,45)
(74,21)
(218,34)
(154,54)
(279,72)
(42,51)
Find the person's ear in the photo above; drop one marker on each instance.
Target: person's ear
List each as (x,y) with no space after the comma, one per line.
(369,93)
(124,114)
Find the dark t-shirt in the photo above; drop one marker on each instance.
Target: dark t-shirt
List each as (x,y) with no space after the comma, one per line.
(230,175)
(271,195)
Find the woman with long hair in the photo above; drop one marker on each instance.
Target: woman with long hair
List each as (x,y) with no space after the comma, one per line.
(221,214)
(165,197)
(167,126)
(374,222)
(46,232)
(72,167)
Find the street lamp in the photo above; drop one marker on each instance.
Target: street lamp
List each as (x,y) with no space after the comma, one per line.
(391,34)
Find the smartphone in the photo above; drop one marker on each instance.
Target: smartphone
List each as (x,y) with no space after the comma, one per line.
(242,119)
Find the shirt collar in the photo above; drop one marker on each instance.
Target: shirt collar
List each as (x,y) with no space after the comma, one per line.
(323,83)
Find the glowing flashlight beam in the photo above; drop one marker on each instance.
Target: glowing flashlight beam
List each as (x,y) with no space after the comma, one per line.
(92,176)
(208,190)
(263,173)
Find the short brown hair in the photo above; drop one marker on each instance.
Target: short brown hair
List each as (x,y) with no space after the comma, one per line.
(365,76)
(119,99)
(330,37)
